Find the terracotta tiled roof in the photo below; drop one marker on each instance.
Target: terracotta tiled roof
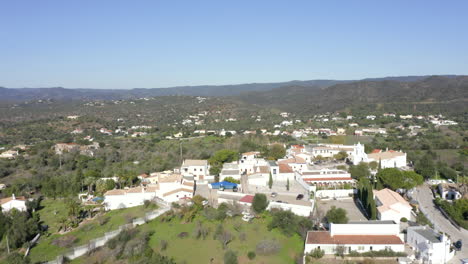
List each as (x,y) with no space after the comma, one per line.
(295,159)
(327,179)
(6,200)
(135,190)
(297,146)
(247,199)
(262,169)
(250,153)
(188,183)
(388,198)
(115,192)
(177,190)
(190,162)
(284,168)
(323,237)
(169,177)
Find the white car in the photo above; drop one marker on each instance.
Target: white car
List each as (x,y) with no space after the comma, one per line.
(247,218)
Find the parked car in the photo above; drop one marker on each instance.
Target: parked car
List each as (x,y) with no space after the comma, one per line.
(205,202)
(299,197)
(247,217)
(279,201)
(273,194)
(458,245)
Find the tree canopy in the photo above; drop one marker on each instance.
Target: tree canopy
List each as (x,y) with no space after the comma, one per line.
(260,202)
(396,179)
(337,215)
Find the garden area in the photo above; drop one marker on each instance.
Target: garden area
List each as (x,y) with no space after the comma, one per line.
(208,235)
(53,243)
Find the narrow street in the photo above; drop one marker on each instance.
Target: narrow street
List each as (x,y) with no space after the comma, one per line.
(424,196)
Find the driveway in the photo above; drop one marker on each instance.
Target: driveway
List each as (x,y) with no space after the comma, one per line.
(353,212)
(424,196)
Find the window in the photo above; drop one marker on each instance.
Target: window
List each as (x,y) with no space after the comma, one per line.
(360,248)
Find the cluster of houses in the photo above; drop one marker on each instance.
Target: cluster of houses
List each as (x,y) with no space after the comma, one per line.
(13,152)
(88,150)
(169,186)
(365,236)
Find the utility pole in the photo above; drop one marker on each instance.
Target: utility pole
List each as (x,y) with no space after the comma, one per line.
(180,146)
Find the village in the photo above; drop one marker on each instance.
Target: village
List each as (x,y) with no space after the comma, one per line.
(312,179)
(299,184)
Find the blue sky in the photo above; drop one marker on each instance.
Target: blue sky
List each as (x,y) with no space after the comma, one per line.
(126,44)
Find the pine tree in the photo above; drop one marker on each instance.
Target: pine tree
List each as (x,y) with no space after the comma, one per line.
(287,185)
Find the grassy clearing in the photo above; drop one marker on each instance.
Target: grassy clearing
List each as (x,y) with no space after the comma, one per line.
(45,250)
(192,250)
(50,213)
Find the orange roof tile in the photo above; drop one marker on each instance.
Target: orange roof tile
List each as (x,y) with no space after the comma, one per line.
(6,200)
(324,237)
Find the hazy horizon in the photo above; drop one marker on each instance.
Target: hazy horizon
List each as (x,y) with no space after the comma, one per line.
(155,44)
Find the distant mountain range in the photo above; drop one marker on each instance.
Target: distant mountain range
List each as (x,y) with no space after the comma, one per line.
(441,91)
(59,93)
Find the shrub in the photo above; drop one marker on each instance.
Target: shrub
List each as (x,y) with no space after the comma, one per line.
(404,220)
(267,247)
(251,255)
(380,253)
(163,244)
(317,253)
(231,179)
(230,257)
(260,202)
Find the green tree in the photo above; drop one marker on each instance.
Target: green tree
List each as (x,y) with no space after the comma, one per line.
(425,166)
(275,151)
(287,184)
(395,179)
(359,171)
(342,155)
(219,158)
(337,215)
(270,181)
(260,202)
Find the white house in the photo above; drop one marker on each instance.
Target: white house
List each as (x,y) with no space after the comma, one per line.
(388,159)
(196,169)
(18,203)
(391,206)
(449,191)
(9,154)
(230,170)
(356,153)
(356,236)
(124,198)
(430,247)
(325,177)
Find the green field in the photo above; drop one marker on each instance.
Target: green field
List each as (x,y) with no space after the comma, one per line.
(346,140)
(45,250)
(191,250)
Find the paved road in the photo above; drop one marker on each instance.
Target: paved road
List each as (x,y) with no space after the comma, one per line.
(424,196)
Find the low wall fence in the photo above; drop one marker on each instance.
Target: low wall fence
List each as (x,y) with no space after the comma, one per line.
(335,193)
(101,241)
